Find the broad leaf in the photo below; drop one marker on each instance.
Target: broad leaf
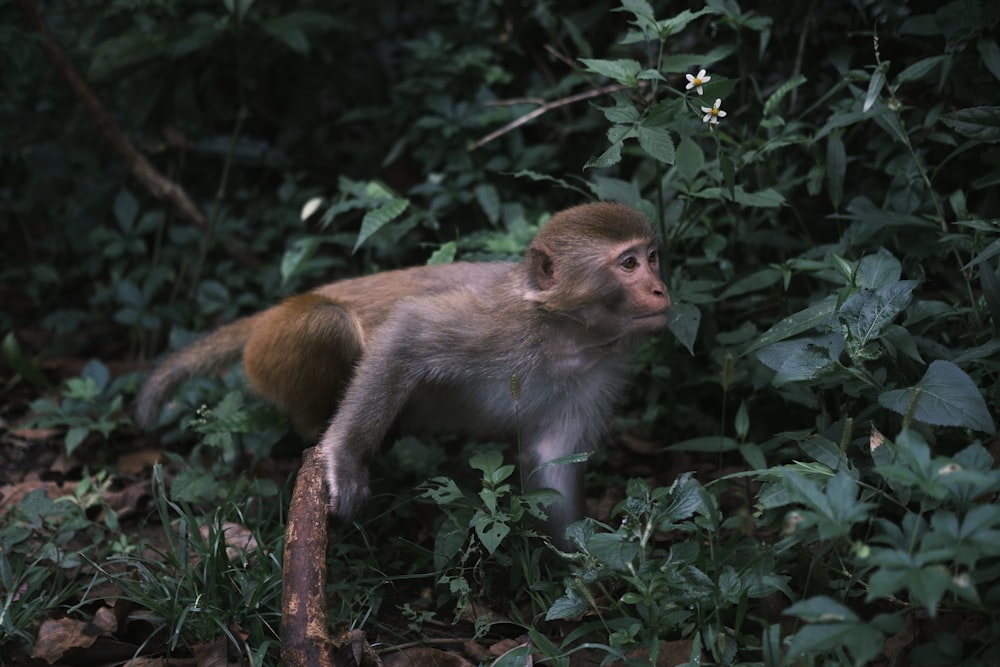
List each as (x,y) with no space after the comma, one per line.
(683,321)
(980,123)
(867,313)
(947,397)
(818,314)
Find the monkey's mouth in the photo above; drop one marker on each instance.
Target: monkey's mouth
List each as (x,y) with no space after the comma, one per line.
(651,316)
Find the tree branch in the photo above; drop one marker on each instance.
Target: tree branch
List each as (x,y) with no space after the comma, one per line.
(544,108)
(162,188)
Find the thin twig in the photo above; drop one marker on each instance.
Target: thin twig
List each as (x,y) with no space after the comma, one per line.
(545,108)
(161,187)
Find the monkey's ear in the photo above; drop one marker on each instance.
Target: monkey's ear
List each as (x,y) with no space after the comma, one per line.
(541,266)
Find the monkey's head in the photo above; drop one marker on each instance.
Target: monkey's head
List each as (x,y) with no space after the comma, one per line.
(599,264)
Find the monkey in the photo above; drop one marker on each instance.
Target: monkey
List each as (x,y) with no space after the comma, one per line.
(537,349)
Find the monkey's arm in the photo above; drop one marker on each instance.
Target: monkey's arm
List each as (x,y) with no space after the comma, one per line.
(386,376)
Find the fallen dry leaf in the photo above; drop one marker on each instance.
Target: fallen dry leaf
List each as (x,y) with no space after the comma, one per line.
(56,636)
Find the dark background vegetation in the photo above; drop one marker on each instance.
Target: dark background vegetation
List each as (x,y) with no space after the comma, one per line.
(831,248)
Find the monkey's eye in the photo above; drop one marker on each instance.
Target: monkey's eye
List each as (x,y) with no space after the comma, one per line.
(630,263)
(653,257)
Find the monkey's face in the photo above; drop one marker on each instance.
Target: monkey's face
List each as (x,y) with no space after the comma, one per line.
(612,294)
(644,300)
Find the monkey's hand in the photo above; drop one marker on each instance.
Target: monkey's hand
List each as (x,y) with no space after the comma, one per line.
(347,483)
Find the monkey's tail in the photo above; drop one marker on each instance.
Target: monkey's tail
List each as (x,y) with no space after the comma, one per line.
(221,347)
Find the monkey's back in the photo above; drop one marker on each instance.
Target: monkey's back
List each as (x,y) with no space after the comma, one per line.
(375,297)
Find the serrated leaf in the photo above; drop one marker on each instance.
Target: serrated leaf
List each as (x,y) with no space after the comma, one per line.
(816,315)
(623,70)
(948,397)
(571,605)
(867,313)
(775,99)
(657,143)
(378,217)
(802,359)
(980,123)
(608,158)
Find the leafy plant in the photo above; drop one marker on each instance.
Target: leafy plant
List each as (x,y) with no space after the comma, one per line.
(91,403)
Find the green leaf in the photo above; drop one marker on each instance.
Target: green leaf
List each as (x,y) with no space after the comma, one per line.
(980,123)
(613,550)
(377,218)
(489,201)
(22,365)
(683,321)
(296,256)
(802,359)
(608,158)
(690,159)
(443,255)
(948,397)
(878,270)
(818,314)
(990,53)
(287,31)
(875,85)
(920,69)
(862,640)
(657,143)
(867,313)
(685,498)
(775,99)
(571,605)
(491,532)
(126,209)
(74,437)
(821,609)
(623,70)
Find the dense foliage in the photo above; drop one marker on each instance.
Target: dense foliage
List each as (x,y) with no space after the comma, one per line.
(826,180)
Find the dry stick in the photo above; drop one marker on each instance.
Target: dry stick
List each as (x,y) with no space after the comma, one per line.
(159,185)
(304,638)
(548,106)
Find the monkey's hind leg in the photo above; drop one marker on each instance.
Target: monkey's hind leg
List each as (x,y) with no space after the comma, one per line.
(301,357)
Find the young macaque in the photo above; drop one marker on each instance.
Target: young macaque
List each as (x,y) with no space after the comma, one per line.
(437,348)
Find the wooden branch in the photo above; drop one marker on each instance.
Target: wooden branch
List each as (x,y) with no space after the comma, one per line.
(161,187)
(305,641)
(544,108)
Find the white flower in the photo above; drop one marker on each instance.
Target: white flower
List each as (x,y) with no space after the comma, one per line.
(697,82)
(713,114)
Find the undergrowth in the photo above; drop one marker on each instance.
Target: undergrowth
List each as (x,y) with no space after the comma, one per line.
(824,177)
